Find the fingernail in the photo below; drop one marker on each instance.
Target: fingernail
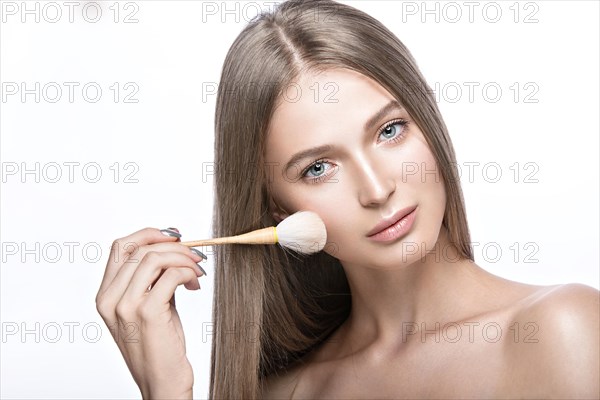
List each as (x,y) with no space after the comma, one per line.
(201,269)
(170,232)
(174,229)
(198,252)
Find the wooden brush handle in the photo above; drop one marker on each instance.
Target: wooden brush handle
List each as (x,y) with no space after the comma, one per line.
(259,236)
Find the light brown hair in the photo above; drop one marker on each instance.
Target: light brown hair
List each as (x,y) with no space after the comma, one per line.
(271,307)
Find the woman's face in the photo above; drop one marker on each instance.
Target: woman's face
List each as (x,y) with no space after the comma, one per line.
(373,168)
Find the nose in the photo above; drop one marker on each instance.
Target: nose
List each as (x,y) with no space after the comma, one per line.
(376,184)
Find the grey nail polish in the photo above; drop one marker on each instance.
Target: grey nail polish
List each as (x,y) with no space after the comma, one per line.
(198,252)
(169,232)
(201,269)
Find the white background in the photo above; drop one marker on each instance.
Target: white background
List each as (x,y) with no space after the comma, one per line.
(174,50)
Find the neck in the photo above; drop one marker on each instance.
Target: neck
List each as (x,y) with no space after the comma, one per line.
(438,288)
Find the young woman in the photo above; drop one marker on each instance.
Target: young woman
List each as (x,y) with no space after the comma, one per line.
(322,108)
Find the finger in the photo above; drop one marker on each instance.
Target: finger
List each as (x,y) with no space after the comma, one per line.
(126,247)
(197,253)
(107,301)
(125,274)
(164,289)
(151,267)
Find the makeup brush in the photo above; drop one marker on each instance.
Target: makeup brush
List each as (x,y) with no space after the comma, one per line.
(303,232)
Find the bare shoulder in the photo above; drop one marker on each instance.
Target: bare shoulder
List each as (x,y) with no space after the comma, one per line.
(280,385)
(562,356)
(571,309)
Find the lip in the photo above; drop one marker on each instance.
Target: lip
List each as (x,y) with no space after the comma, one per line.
(382,230)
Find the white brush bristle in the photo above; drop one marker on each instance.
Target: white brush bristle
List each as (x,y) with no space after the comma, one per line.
(303,232)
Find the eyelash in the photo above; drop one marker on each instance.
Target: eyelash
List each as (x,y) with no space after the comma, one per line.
(402,122)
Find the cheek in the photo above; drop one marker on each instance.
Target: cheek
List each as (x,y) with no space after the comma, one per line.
(428,186)
(341,228)
(418,181)
(422,173)
(433,180)
(329,201)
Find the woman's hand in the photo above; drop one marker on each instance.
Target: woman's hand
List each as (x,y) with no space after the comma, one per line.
(136,301)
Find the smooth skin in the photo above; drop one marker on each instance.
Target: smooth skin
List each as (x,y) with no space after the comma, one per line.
(422,325)
(144,321)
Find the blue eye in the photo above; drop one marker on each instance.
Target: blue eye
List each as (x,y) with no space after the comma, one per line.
(392,135)
(317,167)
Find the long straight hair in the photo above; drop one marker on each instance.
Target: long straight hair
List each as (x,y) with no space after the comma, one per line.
(271,307)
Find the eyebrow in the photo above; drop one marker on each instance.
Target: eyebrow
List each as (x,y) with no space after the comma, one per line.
(393,105)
